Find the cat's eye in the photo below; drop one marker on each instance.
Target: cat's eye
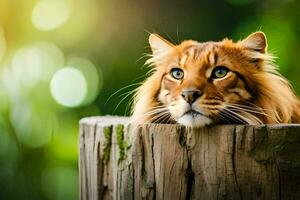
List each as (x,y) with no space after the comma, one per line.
(177,73)
(219,72)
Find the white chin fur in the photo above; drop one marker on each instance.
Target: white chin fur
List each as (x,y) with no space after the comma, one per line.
(189,120)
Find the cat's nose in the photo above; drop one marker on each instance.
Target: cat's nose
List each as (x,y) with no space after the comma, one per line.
(191,96)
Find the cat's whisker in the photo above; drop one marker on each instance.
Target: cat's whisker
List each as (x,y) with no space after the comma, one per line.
(242,114)
(154,112)
(233,116)
(236,107)
(127,109)
(255,120)
(155,107)
(129,92)
(245,109)
(251,112)
(227,117)
(143,56)
(157,117)
(120,103)
(250,107)
(223,117)
(169,119)
(140,77)
(121,89)
(162,118)
(152,116)
(248,111)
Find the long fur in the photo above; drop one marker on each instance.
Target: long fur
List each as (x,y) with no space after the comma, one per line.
(274,96)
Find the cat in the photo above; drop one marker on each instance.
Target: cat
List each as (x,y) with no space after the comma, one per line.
(197,84)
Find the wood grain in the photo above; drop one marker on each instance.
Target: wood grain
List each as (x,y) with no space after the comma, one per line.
(161,161)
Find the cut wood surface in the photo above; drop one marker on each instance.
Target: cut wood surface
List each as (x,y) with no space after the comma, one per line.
(162,161)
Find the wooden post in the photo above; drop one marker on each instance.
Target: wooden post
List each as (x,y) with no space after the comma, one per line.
(160,161)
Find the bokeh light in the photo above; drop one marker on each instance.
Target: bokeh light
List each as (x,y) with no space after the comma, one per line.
(92,75)
(36,62)
(51,14)
(69,87)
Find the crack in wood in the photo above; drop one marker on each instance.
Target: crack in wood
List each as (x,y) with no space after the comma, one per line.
(234,149)
(189,174)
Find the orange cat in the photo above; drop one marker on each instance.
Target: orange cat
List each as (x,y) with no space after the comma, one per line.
(197,84)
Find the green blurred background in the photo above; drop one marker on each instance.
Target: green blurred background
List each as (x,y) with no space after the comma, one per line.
(60,60)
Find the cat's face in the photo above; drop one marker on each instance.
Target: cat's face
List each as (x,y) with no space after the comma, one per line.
(203,83)
(197,84)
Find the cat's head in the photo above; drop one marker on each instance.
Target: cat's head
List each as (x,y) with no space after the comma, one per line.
(196,84)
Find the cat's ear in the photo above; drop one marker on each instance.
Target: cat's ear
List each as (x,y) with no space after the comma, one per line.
(256,41)
(159,45)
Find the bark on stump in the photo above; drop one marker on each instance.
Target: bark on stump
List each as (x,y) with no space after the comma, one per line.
(160,161)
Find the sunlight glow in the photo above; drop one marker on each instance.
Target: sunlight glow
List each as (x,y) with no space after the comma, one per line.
(69,87)
(51,14)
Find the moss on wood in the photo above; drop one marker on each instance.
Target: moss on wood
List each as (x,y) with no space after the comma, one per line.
(123,145)
(107,145)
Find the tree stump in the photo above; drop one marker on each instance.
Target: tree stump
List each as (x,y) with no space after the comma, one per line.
(163,161)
